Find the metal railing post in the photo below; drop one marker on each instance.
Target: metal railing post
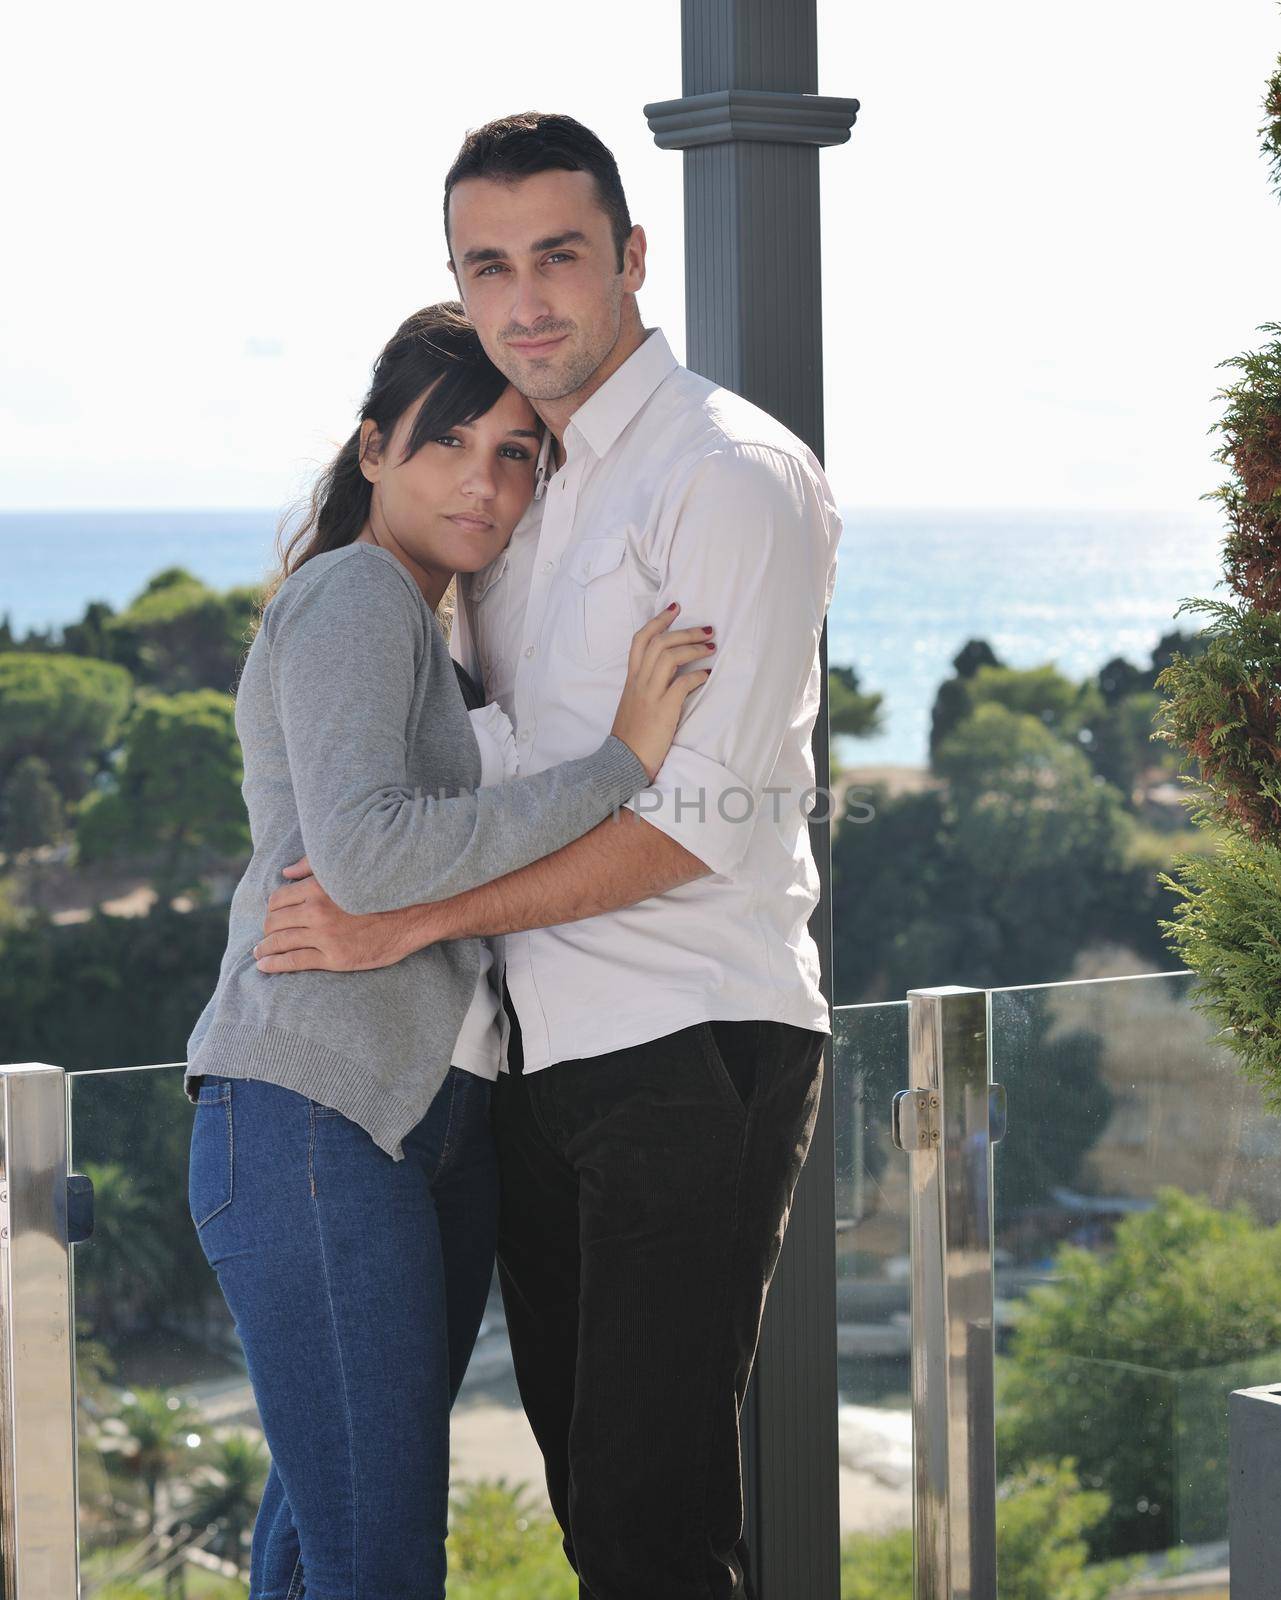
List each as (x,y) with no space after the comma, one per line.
(947,1121)
(38,1490)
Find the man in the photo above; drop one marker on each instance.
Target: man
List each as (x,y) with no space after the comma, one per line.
(665,1023)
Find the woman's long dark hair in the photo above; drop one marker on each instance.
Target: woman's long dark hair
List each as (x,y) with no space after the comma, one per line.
(437,349)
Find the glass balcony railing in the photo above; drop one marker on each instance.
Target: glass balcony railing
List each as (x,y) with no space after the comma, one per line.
(1114,1275)
(1137,1272)
(171,1454)
(873,1281)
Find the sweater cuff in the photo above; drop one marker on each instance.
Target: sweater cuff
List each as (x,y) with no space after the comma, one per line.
(619,772)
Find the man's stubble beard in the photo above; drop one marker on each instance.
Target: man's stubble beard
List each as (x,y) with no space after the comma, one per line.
(548,383)
(557,384)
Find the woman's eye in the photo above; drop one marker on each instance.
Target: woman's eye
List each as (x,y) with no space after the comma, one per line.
(449,438)
(513,452)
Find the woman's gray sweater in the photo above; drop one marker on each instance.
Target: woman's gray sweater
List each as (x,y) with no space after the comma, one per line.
(359,753)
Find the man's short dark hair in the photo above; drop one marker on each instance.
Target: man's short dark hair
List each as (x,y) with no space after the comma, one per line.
(510,148)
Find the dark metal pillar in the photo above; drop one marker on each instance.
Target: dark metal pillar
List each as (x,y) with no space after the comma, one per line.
(751,123)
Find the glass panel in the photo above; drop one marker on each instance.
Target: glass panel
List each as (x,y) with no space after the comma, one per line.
(873,1305)
(1137,1283)
(171,1453)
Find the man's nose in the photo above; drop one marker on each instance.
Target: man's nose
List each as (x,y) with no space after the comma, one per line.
(530,303)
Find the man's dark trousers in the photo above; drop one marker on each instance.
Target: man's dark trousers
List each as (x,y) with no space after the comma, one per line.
(644,1196)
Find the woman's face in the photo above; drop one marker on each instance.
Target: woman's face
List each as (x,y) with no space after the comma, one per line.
(453,505)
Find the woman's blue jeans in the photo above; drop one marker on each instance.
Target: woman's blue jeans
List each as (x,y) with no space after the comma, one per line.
(357,1285)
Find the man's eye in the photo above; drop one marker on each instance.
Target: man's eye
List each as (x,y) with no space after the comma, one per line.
(559,255)
(494,266)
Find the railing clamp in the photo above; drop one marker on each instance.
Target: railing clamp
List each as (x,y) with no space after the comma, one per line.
(917,1120)
(79,1207)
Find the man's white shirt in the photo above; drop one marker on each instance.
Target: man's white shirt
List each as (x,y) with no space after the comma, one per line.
(672,489)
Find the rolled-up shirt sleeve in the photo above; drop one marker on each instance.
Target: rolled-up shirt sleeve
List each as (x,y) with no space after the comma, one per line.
(747,542)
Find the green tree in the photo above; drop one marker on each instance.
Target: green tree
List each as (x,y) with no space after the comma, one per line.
(65,710)
(180,635)
(1224,713)
(227,1487)
(1023,858)
(92,635)
(1228,929)
(1043,1516)
(125,1262)
(176,797)
(1102,1362)
(1035,834)
(155,1444)
(953,703)
(850,712)
(1042,692)
(31,809)
(500,1548)
(1120,744)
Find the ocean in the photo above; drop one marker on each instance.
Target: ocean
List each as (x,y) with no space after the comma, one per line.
(1072,587)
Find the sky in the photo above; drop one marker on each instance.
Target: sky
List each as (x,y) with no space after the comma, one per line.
(1048,229)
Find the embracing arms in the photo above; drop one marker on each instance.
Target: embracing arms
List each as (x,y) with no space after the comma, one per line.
(748,543)
(619,862)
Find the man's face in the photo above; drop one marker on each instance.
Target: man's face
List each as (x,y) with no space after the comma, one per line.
(537,270)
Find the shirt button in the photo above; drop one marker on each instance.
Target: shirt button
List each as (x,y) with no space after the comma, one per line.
(548,565)
(529,651)
(524,738)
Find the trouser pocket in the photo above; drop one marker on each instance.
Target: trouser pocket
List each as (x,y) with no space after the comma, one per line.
(211,1164)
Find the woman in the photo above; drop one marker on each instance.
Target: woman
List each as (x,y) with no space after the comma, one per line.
(342,1179)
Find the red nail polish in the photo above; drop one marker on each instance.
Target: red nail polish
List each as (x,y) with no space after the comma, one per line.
(672,607)
(709,644)
(707,630)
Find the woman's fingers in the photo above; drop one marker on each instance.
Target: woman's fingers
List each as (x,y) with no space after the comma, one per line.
(686,682)
(658,647)
(665,665)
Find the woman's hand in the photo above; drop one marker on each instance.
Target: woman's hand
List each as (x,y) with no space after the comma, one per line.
(654,694)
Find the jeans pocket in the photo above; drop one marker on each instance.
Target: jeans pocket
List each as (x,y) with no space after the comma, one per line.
(209,1169)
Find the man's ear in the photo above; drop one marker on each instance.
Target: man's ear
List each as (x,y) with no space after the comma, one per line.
(634,260)
(371,445)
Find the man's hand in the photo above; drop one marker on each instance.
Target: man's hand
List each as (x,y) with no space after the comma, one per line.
(306,932)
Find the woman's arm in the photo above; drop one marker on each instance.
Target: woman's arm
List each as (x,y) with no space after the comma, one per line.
(342,656)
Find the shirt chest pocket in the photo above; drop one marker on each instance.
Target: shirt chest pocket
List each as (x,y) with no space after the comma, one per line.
(599,624)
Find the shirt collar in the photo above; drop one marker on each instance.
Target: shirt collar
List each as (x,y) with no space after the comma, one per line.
(540,469)
(601,418)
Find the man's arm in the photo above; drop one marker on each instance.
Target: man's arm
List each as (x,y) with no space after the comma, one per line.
(619,862)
